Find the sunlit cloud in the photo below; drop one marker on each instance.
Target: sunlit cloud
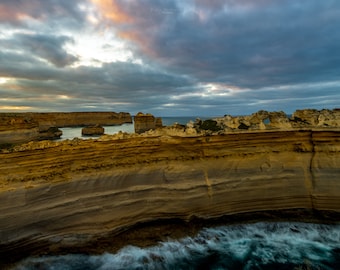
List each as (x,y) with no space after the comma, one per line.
(111,10)
(3,80)
(16,108)
(94,49)
(169,57)
(211,91)
(63,97)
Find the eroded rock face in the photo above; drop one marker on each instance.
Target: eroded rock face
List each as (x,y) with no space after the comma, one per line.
(73,119)
(279,120)
(51,133)
(17,128)
(145,122)
(323,118)
(60,195)
(92,130)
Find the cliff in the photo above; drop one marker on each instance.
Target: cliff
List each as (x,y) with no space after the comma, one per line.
(73,119)
(24,127)
(83,195)
(17,129)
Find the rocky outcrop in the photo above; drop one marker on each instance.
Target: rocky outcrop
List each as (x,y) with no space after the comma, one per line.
(145,122)
(71,195)
(315,118)
(50,133)
(261,120)
(279,120)
(92,130)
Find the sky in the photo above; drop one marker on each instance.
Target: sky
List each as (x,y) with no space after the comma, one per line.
(169,57)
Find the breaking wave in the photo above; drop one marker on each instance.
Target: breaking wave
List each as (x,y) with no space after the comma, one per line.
(261,245)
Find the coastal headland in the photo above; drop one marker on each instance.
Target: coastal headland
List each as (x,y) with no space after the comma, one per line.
(25,127)
(95,195)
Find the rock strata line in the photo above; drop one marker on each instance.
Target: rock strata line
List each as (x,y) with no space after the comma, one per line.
(57,196)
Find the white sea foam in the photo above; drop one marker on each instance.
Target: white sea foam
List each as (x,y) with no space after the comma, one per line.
(252,246)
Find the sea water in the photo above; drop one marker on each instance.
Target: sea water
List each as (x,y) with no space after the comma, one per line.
(75,132)
(279,245)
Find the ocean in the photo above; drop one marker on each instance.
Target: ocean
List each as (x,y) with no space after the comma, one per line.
(278,245)
(75,132)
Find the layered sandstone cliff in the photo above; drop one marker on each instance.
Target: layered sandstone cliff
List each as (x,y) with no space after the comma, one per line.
(73,119)
(17,129)
(144,122)
(57,196)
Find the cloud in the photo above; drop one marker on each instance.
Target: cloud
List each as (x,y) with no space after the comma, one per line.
(123,86)
(169,57)
(112,10)
(47,47)
(246,43)
(16,12)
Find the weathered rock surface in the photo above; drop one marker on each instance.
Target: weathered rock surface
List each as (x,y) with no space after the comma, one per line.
(73,119)
(50,134)
(261,120)
(92,130)
(57,196)
(17,129)
(144,122)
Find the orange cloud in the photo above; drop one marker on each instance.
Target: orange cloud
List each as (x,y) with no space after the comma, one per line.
(15,12)
(8,13)
(111,10)
(130,22)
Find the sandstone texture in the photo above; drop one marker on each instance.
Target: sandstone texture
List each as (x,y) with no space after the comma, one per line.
(146,122)
(92,130)
(262,120)
(17,129)
(73,119)
(57,196)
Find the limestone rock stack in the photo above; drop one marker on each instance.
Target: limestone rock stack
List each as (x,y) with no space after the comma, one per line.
(92,130)
(145,122)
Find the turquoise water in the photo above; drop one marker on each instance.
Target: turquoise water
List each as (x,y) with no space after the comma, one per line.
(261,245)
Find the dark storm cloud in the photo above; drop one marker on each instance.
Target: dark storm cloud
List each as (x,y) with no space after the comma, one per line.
(47,47)
(246,43)
(198,57)
(121,86)
(14,11)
